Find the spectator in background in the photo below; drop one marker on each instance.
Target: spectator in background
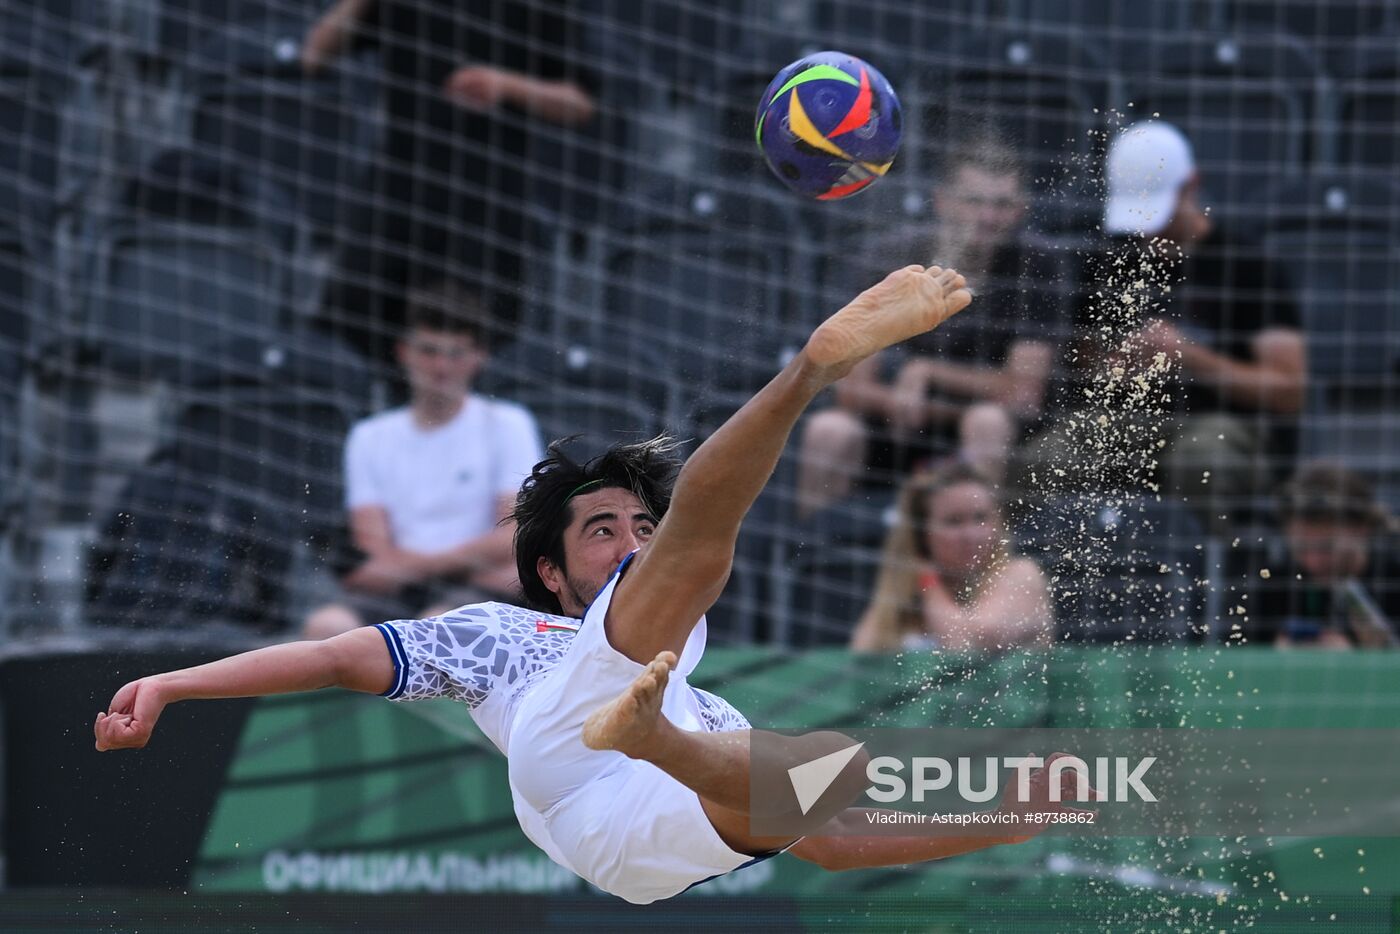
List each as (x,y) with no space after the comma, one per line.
(429,486)
(468,90)
(1336,582)
(971,386)
(1224,348)
(947,578)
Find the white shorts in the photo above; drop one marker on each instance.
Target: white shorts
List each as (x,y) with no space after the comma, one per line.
(624,825)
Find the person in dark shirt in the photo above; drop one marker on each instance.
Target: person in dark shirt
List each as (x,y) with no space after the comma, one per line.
(1190,367)
(1333,581)
(467,91)
(971,388)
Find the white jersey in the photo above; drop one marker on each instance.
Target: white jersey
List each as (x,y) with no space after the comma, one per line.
(489,656)
(484,655)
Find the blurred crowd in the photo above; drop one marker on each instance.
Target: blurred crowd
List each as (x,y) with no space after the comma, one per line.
(1177,379)
(1108,435)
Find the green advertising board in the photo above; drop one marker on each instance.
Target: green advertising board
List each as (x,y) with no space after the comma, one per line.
(336,792)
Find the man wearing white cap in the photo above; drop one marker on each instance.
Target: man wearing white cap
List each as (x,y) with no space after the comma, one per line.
(1153,186)
(1171,300)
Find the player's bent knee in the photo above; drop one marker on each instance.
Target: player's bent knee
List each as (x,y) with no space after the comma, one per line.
(830,741)
(851,782)
(774,757)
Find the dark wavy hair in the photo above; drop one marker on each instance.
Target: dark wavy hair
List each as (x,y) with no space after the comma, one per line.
(543,509)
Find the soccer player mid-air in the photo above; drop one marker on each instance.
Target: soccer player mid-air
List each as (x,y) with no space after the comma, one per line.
(619,770)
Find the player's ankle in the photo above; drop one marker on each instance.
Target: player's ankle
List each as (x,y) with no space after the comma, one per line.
(818,375)
(660,745)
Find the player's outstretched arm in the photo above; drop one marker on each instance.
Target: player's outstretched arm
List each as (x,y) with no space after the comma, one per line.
(357,661)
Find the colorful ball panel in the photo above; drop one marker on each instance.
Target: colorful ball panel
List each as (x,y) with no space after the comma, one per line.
(829,125)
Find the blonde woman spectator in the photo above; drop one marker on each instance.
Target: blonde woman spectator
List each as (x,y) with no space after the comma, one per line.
(948,579)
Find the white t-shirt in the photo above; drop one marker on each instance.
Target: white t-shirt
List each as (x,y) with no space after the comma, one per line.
(440,486)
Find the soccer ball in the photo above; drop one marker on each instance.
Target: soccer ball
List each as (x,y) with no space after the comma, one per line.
(828,125)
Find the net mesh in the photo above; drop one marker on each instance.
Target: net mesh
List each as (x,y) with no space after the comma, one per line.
(212,213)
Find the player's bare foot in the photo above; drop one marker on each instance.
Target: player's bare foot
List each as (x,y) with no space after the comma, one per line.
(628,722)
(907,302)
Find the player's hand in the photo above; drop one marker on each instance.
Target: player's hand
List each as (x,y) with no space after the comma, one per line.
(478,87)
(1039,798)
(131,717)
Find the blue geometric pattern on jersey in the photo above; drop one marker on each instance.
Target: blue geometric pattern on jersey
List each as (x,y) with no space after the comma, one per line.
(475,651)
(719,715)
